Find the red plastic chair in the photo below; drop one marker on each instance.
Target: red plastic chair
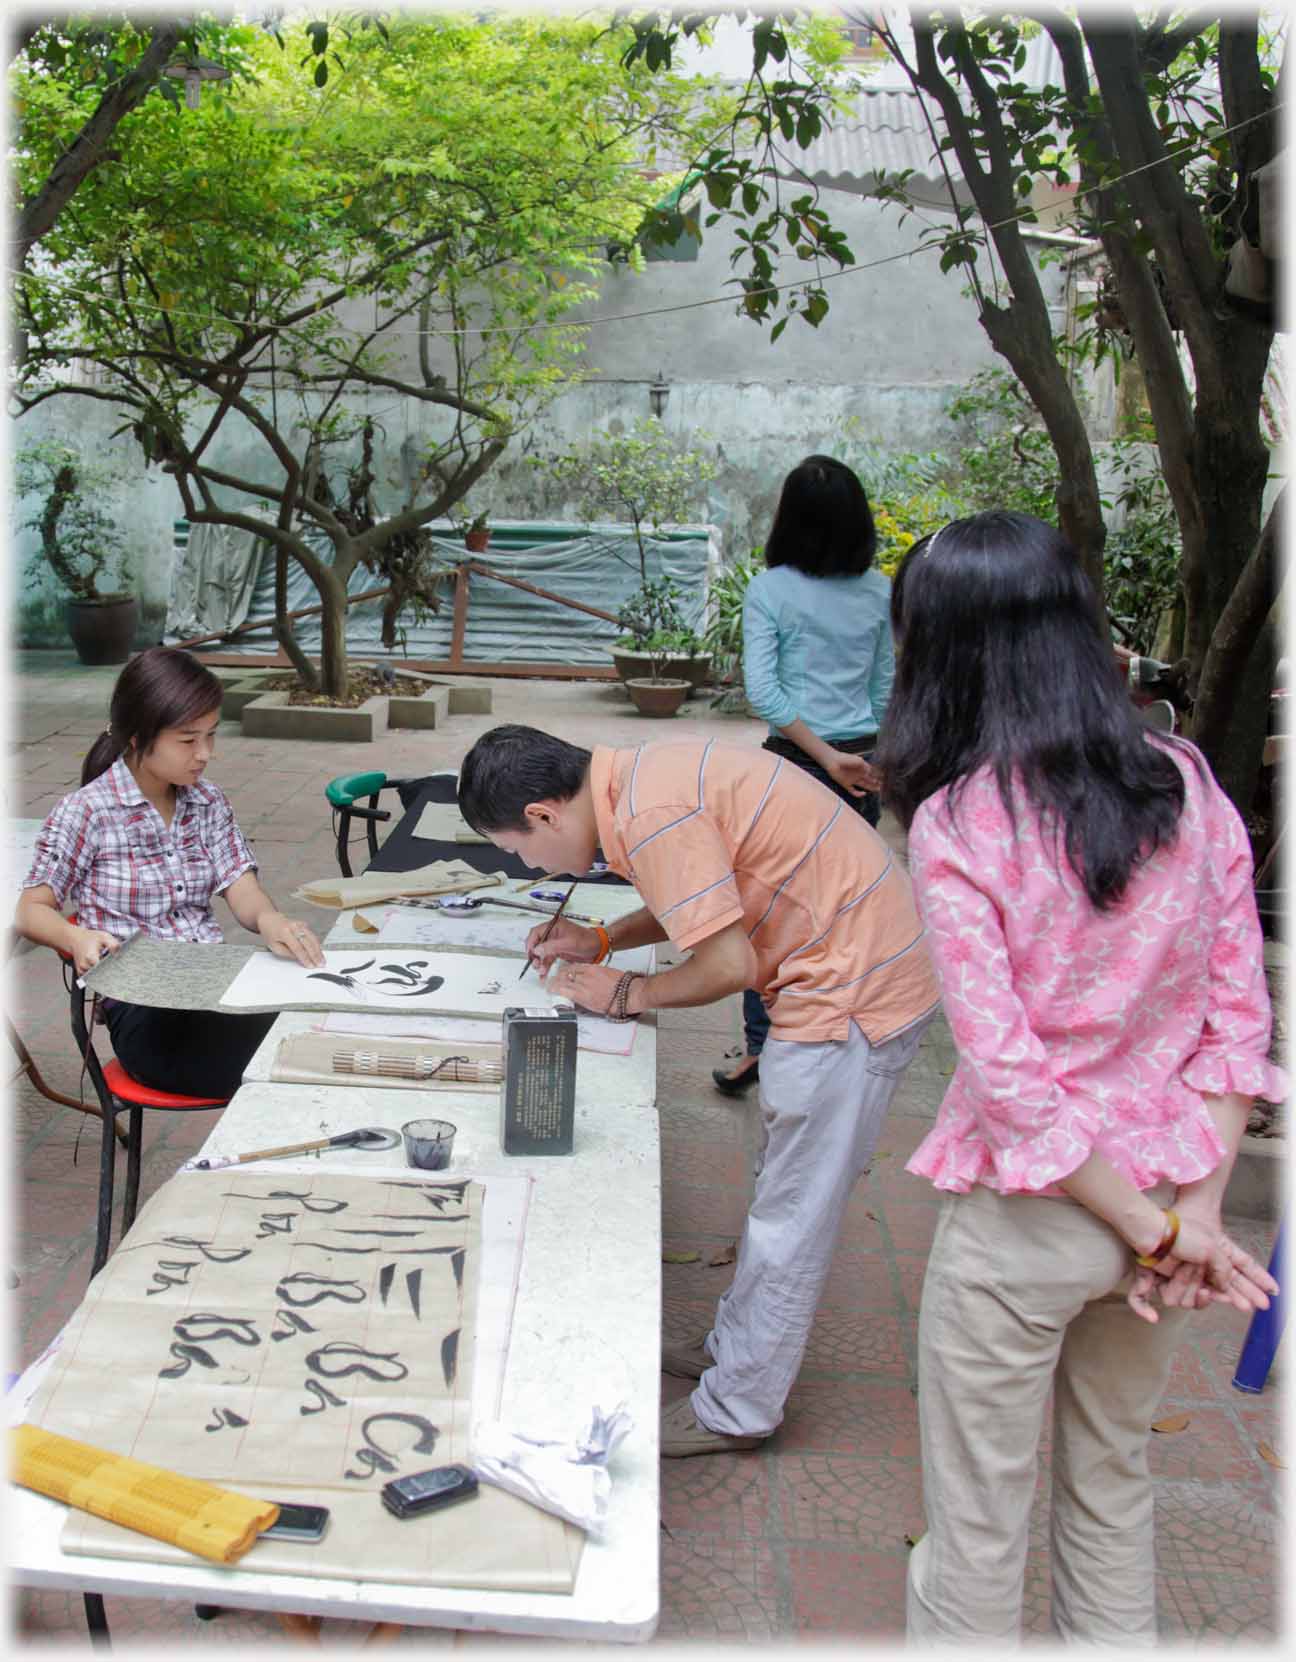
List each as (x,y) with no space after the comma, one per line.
(116,1091)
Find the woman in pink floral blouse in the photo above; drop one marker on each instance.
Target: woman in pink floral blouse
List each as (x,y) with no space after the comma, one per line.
(1086,888)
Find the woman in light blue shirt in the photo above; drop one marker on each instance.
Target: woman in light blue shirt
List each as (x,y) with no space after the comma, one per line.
(818,660)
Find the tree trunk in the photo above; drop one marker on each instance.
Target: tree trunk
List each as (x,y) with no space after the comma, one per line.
(283,626)
(1020,330)
(1231,715)
(333,647)
(1234,746)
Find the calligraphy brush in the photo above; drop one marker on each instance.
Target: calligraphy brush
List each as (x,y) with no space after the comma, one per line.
(553,920)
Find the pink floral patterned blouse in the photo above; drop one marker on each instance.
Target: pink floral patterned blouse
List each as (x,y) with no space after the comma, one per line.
(1080,1031)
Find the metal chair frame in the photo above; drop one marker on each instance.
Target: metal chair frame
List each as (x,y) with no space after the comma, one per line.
(117,1091)
(343,793)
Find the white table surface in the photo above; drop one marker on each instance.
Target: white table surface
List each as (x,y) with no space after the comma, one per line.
(586,1332)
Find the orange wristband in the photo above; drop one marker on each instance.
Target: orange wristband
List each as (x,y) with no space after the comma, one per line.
(1169,1235)
(605,943)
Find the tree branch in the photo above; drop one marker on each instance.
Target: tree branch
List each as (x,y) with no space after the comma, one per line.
(1162,44)
(412,518)
(38,213)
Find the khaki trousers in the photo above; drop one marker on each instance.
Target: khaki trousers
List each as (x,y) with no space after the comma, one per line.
(1024,1294)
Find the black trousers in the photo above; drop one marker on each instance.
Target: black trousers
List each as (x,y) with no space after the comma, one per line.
(868,806)
(191,1052)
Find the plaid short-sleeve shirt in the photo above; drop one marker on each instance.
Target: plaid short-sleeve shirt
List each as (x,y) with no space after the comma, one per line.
(106,849)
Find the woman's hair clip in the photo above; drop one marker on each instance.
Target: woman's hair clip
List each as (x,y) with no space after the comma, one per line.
(932,541)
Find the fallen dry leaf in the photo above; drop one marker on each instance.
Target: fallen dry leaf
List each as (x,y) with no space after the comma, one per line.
(1267,1453)
(726,1255)
(1172,1422)
(680,1257)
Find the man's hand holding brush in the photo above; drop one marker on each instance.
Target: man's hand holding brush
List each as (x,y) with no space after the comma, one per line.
(569,960)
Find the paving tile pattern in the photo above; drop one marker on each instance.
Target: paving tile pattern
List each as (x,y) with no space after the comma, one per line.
(804,1539)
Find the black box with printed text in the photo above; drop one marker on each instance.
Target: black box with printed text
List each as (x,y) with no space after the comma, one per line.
(538,1093)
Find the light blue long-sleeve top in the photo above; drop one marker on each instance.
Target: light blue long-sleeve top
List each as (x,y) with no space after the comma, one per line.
(819,649)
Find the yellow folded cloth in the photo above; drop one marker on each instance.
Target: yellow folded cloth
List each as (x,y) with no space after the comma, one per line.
(212,1522)
(441,877)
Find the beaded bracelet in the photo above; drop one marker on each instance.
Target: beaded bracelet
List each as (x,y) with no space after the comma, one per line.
(1169,1235)
(616,1008)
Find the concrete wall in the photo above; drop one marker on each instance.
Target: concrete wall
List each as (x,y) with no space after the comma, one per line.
(899,341)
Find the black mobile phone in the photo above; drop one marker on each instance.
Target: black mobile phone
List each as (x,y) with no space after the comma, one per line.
(409,1497)
(297,1523)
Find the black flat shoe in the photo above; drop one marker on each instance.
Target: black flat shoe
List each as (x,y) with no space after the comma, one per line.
(738,1086)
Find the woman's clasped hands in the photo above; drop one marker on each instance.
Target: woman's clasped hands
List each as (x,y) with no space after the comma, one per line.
(1205,1267)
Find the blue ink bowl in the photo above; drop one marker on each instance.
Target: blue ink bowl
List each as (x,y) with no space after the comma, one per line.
(428,1143)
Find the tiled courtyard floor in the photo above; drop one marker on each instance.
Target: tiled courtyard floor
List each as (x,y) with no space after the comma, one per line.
(804,1540)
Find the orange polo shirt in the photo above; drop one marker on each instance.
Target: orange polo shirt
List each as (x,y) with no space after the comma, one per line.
(712,834)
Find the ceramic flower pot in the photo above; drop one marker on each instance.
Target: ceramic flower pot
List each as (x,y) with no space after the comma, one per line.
(631,665)
(103,631)
(695,668)
(657,698)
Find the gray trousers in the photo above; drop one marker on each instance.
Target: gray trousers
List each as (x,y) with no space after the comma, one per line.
(823,1105)
(1025,1294)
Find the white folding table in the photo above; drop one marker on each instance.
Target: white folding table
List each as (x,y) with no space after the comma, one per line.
(585,1333)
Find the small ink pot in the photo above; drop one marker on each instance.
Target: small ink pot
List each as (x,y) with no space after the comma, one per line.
(428,1144)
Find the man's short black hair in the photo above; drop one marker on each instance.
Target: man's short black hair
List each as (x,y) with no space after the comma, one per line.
(511,766)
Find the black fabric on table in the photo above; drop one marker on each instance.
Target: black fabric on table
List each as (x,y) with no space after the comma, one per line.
(403,851)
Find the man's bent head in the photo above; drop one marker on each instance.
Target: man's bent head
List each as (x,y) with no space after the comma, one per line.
(527,791)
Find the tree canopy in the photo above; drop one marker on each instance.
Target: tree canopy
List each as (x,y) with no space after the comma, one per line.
(282,260)
(1163,120)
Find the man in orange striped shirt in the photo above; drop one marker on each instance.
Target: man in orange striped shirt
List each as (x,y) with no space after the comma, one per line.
(769,881)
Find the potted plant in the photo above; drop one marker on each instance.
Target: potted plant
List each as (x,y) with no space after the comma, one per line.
(687,657)
(651,622)
(644,477)
(79,542)
(477,536)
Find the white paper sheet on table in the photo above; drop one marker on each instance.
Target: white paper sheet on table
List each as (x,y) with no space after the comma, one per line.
(609,1038)
(403,979)
(485,930)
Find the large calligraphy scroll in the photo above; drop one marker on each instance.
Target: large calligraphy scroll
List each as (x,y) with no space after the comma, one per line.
(300,1337)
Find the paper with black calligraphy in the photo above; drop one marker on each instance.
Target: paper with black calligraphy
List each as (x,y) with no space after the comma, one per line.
(299,1336)
(405,979)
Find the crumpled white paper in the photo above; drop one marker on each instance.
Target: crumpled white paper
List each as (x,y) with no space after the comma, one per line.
(570,1479)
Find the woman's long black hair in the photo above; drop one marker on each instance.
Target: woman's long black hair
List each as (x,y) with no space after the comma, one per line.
(1002,662)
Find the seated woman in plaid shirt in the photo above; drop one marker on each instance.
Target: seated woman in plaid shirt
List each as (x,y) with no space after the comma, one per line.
(144,845)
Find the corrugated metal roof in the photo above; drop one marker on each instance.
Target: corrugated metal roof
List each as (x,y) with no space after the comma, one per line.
(893,128)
